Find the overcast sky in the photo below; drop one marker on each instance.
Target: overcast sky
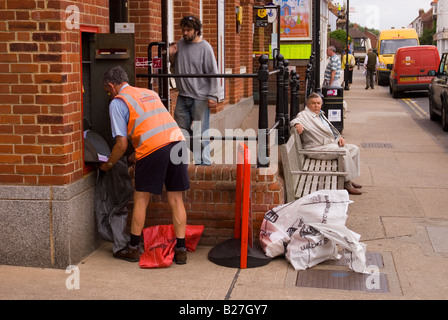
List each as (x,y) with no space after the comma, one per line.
(384,14)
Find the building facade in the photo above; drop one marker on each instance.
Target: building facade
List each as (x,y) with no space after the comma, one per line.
(50,91)
(441,36)
(47,191)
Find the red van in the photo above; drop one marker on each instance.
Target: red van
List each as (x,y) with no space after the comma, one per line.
(410,69)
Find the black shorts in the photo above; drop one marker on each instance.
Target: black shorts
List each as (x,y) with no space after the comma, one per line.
(159,168)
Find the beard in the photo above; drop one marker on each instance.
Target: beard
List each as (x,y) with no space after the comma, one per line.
(190,38)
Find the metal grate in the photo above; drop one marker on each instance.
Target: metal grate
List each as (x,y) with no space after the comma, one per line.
(376,145)
(343,279)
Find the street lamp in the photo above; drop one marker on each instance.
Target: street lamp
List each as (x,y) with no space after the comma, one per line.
(347,64)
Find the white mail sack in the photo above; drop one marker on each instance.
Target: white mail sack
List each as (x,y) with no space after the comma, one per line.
(308,229)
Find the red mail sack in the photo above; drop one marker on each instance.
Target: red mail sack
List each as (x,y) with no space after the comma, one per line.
(160,242)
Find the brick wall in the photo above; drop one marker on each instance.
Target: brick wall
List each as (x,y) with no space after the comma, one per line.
(146,15)
(247,44)
(40,90)
(41,101)
(211,200)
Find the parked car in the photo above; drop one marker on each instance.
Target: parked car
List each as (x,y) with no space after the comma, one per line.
(438,93)
(410,69)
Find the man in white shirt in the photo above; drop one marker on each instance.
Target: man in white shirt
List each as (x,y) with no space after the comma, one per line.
(317,133)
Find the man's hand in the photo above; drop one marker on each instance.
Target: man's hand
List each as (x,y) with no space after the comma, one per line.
(173,49)
(299,128)
(132,158)
(212,103)
(341,142)
(121,144)
(106,166)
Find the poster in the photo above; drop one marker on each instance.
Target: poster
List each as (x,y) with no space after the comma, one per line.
(295,19)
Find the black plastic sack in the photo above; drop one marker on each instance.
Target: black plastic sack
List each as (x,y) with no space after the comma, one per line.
(112,193)
(96,148)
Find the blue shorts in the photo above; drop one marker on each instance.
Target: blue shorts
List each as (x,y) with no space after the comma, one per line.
(161,168)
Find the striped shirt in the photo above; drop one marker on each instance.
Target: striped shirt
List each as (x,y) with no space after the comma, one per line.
(334,64)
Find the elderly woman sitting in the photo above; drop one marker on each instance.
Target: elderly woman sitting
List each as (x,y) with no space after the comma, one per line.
(317,133)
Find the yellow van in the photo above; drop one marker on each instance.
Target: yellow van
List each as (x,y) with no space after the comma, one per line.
(388,42)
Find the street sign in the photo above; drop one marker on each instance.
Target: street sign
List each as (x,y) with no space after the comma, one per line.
(261,18)
(141,62)
(156,63)
(272,13)
(124,27)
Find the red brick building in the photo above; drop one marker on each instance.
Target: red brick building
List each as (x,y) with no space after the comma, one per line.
(46,191)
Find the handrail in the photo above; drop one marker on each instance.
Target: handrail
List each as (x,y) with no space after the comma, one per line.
(285,81)
(276,124)
(198,75)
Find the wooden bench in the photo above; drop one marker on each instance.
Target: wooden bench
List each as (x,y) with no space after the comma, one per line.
(304,173)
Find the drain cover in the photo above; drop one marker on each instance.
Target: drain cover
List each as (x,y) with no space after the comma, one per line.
(343,280)
(376,145)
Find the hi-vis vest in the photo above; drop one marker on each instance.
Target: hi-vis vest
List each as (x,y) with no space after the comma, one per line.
(150,125)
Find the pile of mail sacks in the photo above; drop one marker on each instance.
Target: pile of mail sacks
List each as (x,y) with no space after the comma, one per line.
(308,231)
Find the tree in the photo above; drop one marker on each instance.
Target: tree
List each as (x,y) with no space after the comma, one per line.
(340,37)
(427,36)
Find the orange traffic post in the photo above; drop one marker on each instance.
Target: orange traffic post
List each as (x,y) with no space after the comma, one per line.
(242,215)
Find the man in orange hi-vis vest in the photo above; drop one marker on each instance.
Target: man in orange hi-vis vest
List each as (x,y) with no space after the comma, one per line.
(160,152)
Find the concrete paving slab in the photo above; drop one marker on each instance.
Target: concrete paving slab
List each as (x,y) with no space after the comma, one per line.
(439,238)
(401,215)
(386,201)
(398,226)
(433,201)
(369,227)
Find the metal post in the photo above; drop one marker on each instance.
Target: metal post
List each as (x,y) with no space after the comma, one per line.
(164,55)
(279,108)
(149,66)
(316,45)
(263,76)
(294,83)
(347,9)
(286,102)
(310,79)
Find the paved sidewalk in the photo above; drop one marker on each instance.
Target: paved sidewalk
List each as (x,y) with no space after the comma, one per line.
(401,215)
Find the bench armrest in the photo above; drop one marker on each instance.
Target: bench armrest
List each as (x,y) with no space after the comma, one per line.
(335,153)
(320,173)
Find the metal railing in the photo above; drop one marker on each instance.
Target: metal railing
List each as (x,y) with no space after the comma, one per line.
(286,82)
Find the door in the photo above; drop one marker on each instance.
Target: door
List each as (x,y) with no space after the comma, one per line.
(429,60)
(107,50)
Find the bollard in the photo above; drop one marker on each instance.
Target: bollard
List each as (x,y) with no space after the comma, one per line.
(279,108)
(243,227)
(295,94)
(285,128)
